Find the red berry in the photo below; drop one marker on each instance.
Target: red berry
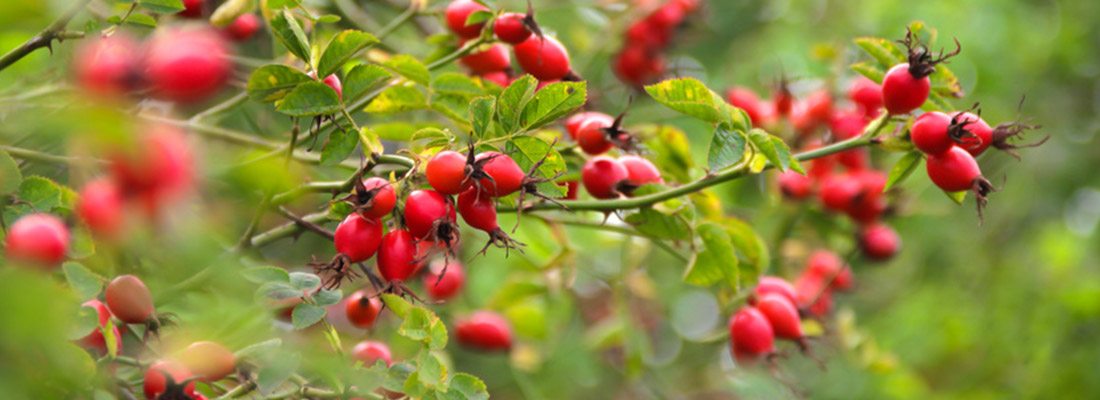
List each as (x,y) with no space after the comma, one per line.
(243,27)
(495,58)
(571,189)
(507,177)
(953,170)
(879,242)
(644,35)
(100,207)
(751,334)
(982,133)
(544,59)
(847,124)
(772,284)
(592,137)
(333,82)
(478,210)
(451,282)
(639,65)
(210,361)
(159,166)
(902,92)
(510,29)
(601,175)
(447,172)
(358,238)
(867,95)
(827,266)
(192,9)
(782,315)
(929,133)
(397,256)
(425,210)
(40,239)
(573,124)
(746,100)
(640,171)
(869,204)
(838,192)
(370,352)
(497,77)
(156,378)
(818,106)
(484,330)
(384,197)
(809,289)
(187,65)
(795,185)
(362,309)
(129,299)
(458,12)
(107,66)
(783,101)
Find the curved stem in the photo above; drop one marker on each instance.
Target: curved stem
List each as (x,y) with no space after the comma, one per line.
(34,155)
(55,31)
(287,229)
(620,230)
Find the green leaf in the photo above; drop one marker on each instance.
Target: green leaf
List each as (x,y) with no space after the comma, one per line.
(370,140)
(228,12)
(256,349)
(338,211)
(481,114)
(528,150)
(871,70)
(409,67)
(454,107)
(10,176)
(785,156)
(274,82)
(466,387)
(328,19)
(457,84)
(304,281)
(363,79)
(398,99)
(274,374)
(727,147)
(882,50)
(342,48)
(310,99)
(945,83)
(417,324)
(715,260)
(82,243)
(513,100)
(957,197)
(140,19)
(435,137)
(84,282)
(110,338)
(339,146)
(83,321)
(288,32)
(773,152)
(692,98)
(659,225)
(903,168)
(397,375)
(276,290)
(936,103)
(306,314)
(162,6)
(672,152)
(751,246)
(327,297)
(35,194)
(398,305)
(552,102)
(478,17)
(431,371)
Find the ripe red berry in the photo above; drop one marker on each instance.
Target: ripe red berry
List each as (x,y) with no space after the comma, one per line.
(953,170)
(545,59)
(644,35)
(358,238)
(747,100)
(869,204)
(156,378)
(100,207)
(795,186)
(929,133)
(640,171)
(495,58)
(573,124)
(107,66)
(383,198)
(510,28)
(602,175)
(867,95)
(827,266)
(210,361)
(426,211)
(818,106)
(158,166)
(772,284)
(902,92)
(243,27)
(478,210)
(458,12)
(187,65)
(782,315)
(592,136)
(484,330)
(506,176)
(95,340)
(370,352)
(879,242)
(639,65)
(812,297)
(333,82)
(497,77)
(783,101)
(447,172)
(129,299)
(451,282)
(751,334)
(971,133)
(397,256)
(39,239)
(838,192)
(362,309)
(192,9)
(847,124)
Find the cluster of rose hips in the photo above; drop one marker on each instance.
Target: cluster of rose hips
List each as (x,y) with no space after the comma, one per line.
(241,29)
(776,307)
(541,56)
(641,60)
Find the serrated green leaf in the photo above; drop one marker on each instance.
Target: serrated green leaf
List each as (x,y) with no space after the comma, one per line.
(481,114)
(10,176)
(747,242)
(727,147)
(140,19)
(714,261)
(688,96)
(339,146)
(466,387)
(454,107)
(288,32)
(672,152)
(528,150)
(83,321)
(274,82)
(35,194)
(273,375)
(259,348)
(417,324)
(659,225)
(777,154)
(945,83)
(342,48)
(457,84)
(478,17)
(363,79)
(83,281)
(304,281)
(398,99)
(310,99)
(339,210)
(306,314)
(327,297)
(278,291)
(371,143)
(162,6)
(431,372)
(263,275)
(397,375)
(398,305)
(903,168)
(871,70)
(936,103)
(513,100)
(882,50)
(409,67)
(552,102)
(786,159)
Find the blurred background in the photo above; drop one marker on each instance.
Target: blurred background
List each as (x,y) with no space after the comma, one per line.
(1009,309)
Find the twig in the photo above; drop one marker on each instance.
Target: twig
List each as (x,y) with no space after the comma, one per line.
(55,31)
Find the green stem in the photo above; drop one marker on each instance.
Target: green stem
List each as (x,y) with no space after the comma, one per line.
(286,230)
(222,107)
(55,31)
(34,155)
(401,19)
(620,230)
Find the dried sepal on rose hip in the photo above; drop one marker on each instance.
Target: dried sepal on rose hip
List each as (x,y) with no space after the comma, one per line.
(515,28)
(1013,130)
(373,197)
(431,216)
(356,240)
(480,212)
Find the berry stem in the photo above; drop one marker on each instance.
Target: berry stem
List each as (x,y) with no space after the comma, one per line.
(55,31)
